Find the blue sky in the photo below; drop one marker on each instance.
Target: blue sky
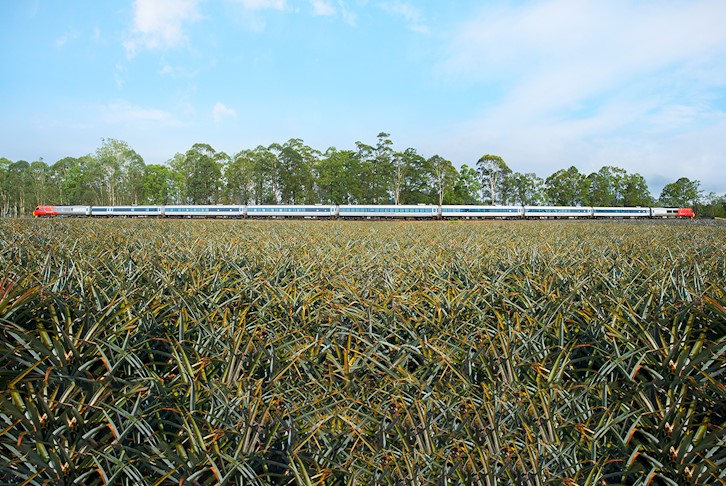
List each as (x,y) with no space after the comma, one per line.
(546,84)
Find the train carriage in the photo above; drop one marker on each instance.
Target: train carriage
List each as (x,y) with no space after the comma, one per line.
(127,211)
(290,211)
(389,211)
(611,212)
(549,212)
(481,212)
(204,211)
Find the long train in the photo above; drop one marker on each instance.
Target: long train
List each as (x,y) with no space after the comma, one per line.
(364,211)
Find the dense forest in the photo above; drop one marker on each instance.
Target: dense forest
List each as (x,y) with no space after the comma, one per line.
(294,173)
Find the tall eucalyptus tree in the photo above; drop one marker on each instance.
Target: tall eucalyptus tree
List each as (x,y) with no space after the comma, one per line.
(121,174)
(203,172)
(442,176)
(492,171)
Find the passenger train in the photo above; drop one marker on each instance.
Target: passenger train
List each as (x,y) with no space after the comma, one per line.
(422,211)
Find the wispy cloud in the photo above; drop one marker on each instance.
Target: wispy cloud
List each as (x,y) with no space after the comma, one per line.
(124,113)
(584,79)
(119,75)
(323,8)
(572,49)
(252,12)
(160,24)
(263,4)
(410,14)
(177,72)
(66,38)
(221,111)
(332,8)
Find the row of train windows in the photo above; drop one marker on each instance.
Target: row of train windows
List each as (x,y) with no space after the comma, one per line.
(203,210)
(622,211)
(127,210)
(386,210)
(210,210)
(479,210)
(288,210)
(581,211)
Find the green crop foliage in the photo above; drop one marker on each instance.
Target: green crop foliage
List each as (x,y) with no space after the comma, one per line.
(333,352)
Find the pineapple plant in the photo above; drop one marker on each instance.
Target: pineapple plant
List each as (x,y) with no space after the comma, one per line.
(336,352)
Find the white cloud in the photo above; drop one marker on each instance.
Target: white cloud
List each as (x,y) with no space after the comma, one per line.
(124,113)
(177,72)
(348,16)
(591,83)
(221,111)
(66,38)
(410,14)
(573,48)
(331,8)
(263,4)
(323,8)
(159,24)
(119,75)
(251,13)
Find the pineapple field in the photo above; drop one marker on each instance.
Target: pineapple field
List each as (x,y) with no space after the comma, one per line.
(203,352)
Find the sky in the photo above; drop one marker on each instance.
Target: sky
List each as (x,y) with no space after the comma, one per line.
(545,84)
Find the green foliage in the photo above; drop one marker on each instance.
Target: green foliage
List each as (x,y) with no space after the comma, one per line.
(120,176)
(266,176)
(40,178)
(492,172)
(202,170)
(336,175)
(443,176)
(566,187)
(199,352)
(158,182)
(17,182)
(635,191)
(410,178)
(466,188)
(711,206)
(613,186)
(72,182)
(296,161)
(682,193)
(376,170)
(605,187)
(239,175)
(523,189)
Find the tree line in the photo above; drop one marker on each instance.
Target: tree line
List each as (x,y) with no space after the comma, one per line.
(294,173)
